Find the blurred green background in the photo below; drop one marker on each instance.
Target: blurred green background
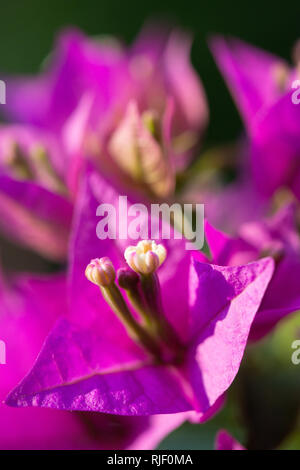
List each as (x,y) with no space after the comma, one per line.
(265,398)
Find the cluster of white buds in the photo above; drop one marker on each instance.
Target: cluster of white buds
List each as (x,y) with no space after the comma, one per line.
(149,327)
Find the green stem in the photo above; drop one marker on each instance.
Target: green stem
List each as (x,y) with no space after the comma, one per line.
(152,293)
(115,300)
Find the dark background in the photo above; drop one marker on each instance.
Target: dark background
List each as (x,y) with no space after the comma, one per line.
(28,28)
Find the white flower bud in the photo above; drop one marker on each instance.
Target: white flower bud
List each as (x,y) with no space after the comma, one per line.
(101,272)
(145,257)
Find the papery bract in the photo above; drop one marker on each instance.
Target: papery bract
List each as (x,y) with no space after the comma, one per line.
(89,362)
(278,237)
(261,84)
(29,307)
(80,109)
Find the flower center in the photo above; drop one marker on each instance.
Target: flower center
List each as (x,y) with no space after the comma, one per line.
(149,326)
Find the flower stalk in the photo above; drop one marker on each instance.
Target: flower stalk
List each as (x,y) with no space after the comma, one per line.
(102,273)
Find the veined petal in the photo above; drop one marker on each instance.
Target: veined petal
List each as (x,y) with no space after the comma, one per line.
(282,297)
(25,319)
(224,302)
(278,233)
(78,370)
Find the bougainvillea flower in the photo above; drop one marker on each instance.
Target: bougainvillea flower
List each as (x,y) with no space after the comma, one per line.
(224,441)
(263,88)
(142,149)
(276,237)
(156,68)
(29,307)
(133,111)
(181,349)
(38,179)
(35,206)
(154,118)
